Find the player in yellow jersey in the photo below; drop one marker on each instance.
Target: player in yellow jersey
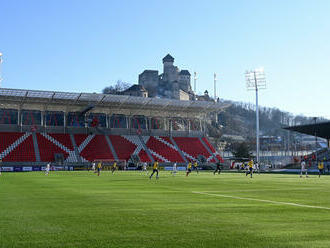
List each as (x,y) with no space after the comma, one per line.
(99,167)
(321,168)
(188,169)
(250,168)
(154,169)
(196,166)
(114,167)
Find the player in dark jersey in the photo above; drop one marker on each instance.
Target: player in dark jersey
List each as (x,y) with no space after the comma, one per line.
(218,169)
(196,166)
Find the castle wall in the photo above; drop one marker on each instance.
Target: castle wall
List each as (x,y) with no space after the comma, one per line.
(184,83)
(150,81)
(170,72)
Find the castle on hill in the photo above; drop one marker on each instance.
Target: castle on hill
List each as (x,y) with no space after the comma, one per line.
(173,83)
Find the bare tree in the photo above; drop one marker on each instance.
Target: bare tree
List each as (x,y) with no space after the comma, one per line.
(116,89)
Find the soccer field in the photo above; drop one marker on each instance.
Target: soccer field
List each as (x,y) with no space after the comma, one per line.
(79,209)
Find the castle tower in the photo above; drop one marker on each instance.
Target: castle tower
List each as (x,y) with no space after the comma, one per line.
(170,73)
(168,60)
(184,80)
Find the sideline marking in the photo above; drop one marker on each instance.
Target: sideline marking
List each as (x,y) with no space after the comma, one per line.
(261,200)
(255,190)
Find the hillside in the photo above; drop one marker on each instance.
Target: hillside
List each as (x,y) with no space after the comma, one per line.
(240,120)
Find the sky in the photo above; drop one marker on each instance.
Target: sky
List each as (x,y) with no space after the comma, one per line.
(84,46)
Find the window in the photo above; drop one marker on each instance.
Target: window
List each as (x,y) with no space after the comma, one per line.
(31,117)
(179,124)
(157,123)
(138,122)
(54,118)
(76,119)
(118,121)
(8,116)
(97,120)
(194,124)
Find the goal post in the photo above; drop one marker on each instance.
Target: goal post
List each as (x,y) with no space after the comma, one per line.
(108,163)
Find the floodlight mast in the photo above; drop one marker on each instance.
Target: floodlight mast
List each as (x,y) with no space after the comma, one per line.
(255,80)
(315,118)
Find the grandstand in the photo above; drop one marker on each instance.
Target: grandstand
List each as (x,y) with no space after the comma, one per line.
(321,130)
(75,128)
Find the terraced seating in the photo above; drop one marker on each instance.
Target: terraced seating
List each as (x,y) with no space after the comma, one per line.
(192,147)
(19,147)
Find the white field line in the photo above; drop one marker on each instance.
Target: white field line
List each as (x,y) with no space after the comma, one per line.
(256,190)
(261,200)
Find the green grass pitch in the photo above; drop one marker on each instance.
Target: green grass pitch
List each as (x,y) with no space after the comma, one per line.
(80,209)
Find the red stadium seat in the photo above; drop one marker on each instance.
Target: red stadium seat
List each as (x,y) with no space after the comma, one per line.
(164,148)
(19,147)
(93,147)
(192,147)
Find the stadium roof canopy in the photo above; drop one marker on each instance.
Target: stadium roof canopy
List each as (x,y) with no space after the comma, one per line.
(106,100)
(319,129)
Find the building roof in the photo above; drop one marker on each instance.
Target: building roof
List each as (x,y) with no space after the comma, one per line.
(184,91)
(319,129)
(21,96)
(184,72)
(150,71)
(135,87)
(168,58)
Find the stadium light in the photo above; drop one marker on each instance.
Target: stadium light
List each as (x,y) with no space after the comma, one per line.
(315,118)
(255,80)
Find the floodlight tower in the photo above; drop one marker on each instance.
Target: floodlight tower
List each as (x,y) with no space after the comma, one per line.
(255,80)
(315,118)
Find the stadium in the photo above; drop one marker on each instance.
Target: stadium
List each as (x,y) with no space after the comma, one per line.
(71,130)
(106,142)
(71,206)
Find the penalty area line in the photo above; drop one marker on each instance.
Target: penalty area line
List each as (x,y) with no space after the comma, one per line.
(261,200)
